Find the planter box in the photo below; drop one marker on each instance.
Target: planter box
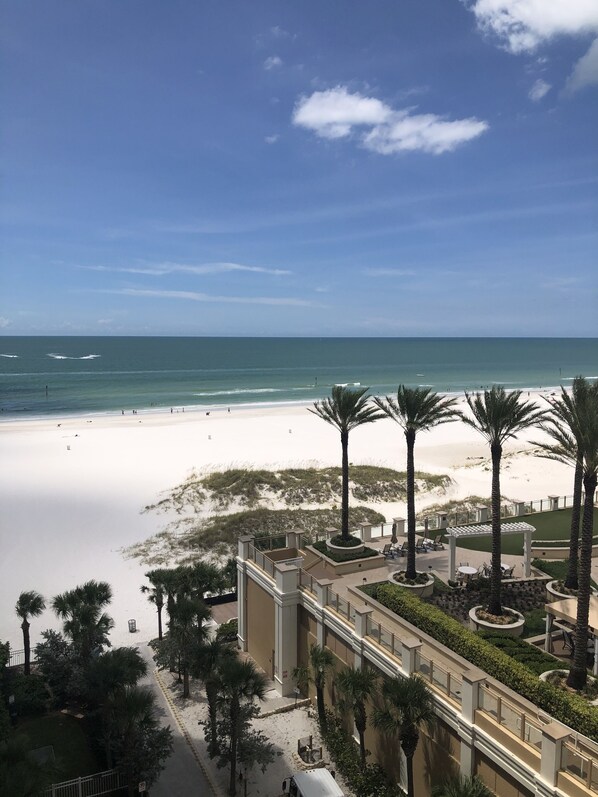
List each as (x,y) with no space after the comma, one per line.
(510,629)
(544,677)
(421,590)
(344,548)
(553,594)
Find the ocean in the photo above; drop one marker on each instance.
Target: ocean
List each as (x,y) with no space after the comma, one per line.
(41,376)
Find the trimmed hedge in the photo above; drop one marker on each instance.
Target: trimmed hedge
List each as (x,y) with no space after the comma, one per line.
(336,556)
(570,709)
(519,650)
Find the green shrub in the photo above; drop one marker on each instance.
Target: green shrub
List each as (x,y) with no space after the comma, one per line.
(350,542)
(227,632)
(31,695)
(570,709)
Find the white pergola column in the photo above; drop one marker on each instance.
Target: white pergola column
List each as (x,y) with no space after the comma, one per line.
(452,541)
(243,555)
(548,637)
(286,599)
(527,553)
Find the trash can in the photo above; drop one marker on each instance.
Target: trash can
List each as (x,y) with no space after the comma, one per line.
(132,626)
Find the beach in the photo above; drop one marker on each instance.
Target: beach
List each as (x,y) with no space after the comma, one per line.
(73,490)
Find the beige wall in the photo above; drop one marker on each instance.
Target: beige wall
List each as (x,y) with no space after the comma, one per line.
(260,626)
(497,780)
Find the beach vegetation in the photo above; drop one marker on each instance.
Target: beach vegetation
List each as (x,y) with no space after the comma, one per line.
(346,409)
(207,662)
(293,486)
(155,594)
(227,632)
(407,705)
(356,688)
(415,410)
(573,427)
(568,708)
(499,416)
(84,622)
(29,604)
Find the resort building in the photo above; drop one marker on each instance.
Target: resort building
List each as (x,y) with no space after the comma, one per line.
(289,598)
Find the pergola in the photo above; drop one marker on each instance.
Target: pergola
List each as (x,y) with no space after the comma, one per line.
(485,530)
(566,610)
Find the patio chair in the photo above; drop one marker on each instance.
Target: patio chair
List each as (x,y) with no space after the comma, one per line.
(437,544)
(568,641)
(508,573)
(388,552)
(419,546)
(483,571)
(401,550)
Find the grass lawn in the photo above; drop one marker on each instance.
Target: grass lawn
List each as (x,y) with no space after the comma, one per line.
(548,525)
(68,735)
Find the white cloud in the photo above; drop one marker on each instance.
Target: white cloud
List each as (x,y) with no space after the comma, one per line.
(539,90)
(4,322)
(272,139)
(272,62)
(389,272)
(332,113)
(335,113)
(585,71)
(522,25)
(205,297)
(279,33)
(161,269)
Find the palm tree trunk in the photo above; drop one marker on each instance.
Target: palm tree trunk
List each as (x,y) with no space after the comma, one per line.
(410,438)
(321,709)
(160,622)
(494,604)
(409,740)
(26,645)
(234,730)
(578,674)
(571,581)
(345,486)
(185,681)
(361,732)
(212,694)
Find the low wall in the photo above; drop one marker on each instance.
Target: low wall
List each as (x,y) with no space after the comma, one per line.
(557,553)
(343,568)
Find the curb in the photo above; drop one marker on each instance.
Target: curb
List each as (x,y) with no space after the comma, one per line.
(216,791)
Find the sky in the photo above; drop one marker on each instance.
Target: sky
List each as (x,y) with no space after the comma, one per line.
(299,167)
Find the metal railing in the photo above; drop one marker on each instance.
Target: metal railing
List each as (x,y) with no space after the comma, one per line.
(17,658)
(340,605)
(439,677)
(88,786)
(261,560)
(384,638)
(581,762)
(505,713)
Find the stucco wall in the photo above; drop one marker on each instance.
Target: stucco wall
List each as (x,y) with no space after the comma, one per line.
(260,626)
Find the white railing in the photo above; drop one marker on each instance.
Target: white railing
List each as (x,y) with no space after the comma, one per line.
(88,786)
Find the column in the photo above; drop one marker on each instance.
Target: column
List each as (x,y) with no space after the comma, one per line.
(294,539)
(527,553)
(243,555)
(519,508)
(400,525)
(362,614)
(286,599)
(441,518)
(470,701)
(481,514)
(553,736)
(411,648)
(554,502)
(452,541)
(548,637)
(366,532)
(321,588)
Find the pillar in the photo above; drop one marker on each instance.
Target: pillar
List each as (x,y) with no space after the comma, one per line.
(441,520)
(294,539)
(286,600)
(411,648)
(548,636)
(244,544)
(400,525)
(452,570)
(321,590)
(362,614)
(519,508)
(481,514)
(527,553)
(553,736)
(366,532)
(470,701)
(554,502)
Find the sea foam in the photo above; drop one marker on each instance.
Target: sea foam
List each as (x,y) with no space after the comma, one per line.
(12,356)
(65,357)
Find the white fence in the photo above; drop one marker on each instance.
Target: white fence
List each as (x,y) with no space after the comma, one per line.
(89,786)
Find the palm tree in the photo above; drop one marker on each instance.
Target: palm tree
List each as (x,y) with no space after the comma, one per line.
(155,595)
(346,409)
(83,619)
(407,705)
(30,604)
(499,416)
(580,441)
(240,684)
(462,786)
(322,661)
(187,633)
(207,663)
(415,409)
(563,446)
(356,688)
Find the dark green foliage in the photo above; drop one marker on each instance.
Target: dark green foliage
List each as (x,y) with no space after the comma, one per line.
(519,650)
(556,569)
(567,708)
(349,542)
(367,780)
(339,556)
(30,693)
(4,716)
(227,632)
(59,665)
(73,741)
(20,775)
(462,786)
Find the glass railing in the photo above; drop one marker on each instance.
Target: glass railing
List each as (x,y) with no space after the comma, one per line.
(511,717)
(261,561)
(384,638)
(581,763)
(306,582)
(439,677)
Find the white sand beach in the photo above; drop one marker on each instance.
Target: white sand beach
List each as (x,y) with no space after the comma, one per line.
(72,490)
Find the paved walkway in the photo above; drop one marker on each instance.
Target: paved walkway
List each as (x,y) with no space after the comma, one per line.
(183,773)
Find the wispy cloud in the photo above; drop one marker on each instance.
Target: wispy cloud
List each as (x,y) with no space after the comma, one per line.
(338,113)
(4,322)
(585,71)
(194,296)
(279,33)
(272,62)
(162,269)
(522,25)
(272,139)
(538,90)
(561,283)
(388,272)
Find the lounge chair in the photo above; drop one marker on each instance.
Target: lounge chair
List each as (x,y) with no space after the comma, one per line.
(401,550)
(388,552)
(437,544)
(419,546)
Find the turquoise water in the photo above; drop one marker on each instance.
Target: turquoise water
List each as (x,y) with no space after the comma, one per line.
(108,374)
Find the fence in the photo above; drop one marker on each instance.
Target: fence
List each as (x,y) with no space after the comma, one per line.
(89,786)
(17,658)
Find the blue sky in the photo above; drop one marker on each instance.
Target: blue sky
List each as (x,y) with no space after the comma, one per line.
(422,167)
